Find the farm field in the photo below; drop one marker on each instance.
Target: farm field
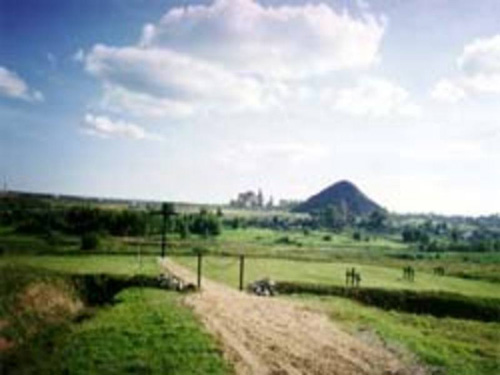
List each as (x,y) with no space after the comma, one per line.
(226,270)
(258,242)
(93,264)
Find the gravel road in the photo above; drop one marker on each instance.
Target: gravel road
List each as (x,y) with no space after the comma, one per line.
(272,336)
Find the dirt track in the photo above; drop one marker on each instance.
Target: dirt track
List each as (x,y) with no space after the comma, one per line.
(270,336)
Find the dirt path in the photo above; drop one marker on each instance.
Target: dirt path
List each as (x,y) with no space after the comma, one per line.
(270,336)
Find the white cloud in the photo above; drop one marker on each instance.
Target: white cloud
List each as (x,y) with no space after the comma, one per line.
(117,99)
(285,41)
(448,91)
(478,71)
(13,86)
(104,127)
(375,97)
(482,56)
(167,75)
(232,55)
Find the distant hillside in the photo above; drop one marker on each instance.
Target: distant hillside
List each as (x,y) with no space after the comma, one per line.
(340,194)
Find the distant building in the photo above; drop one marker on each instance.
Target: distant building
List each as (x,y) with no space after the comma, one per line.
(249,199)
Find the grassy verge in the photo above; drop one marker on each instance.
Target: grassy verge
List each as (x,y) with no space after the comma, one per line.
(449,346)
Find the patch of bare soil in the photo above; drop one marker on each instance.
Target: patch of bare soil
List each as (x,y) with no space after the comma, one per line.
(270,336)
(49,302)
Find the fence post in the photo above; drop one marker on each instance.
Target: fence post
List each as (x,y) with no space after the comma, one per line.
(242,271)
(200,256)
(163,229)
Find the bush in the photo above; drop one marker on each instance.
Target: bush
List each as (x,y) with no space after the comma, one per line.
(440,304)
(285,240)
(199,250)
(89,241)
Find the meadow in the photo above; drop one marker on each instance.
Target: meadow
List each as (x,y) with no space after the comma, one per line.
(226,270)
(132,332)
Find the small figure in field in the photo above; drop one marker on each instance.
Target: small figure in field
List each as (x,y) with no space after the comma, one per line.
(357,279)
(352,278)
(409,273)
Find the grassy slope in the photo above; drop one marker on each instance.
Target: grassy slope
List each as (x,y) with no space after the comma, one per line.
(147,332)
(460,347)
(226,270)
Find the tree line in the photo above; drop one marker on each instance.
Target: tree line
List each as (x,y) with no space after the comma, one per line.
(30,216)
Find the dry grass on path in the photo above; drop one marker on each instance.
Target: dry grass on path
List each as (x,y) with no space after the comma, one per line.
(269,336)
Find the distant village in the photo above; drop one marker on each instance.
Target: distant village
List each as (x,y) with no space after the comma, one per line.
(257,200)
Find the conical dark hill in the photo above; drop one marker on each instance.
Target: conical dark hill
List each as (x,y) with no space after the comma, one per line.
(341,194)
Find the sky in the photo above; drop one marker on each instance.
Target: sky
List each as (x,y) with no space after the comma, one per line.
(198,100)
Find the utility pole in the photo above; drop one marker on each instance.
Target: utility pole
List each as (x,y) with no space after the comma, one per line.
(164,208)
(167,211)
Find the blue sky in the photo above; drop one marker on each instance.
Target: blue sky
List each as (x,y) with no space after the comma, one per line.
(196,101)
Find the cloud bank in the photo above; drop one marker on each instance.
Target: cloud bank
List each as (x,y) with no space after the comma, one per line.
(13,86)
(478,72)
(232,55)
(104,127)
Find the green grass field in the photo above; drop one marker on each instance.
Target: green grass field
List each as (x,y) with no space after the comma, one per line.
(379,250)
(148,332)
(226,270)
(111,264)
(272,243)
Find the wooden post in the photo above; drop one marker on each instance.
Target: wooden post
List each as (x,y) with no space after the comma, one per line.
(199,269)
(163,229)
(242,271)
